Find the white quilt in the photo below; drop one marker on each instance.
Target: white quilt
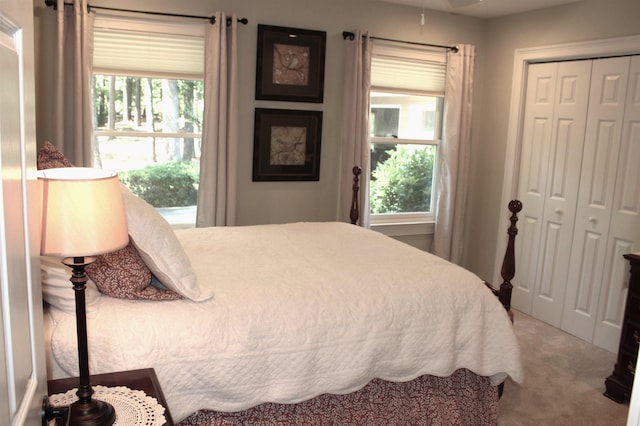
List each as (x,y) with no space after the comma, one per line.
(298,310)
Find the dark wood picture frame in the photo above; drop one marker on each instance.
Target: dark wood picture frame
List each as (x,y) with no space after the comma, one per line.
(286,145)
(290,64)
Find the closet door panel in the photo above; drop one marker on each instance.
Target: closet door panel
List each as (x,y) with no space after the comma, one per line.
(536,134)
(595,197)
(561,188)
(528,248)
(624,230)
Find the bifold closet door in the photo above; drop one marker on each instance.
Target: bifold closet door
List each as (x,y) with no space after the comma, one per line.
(624,231)
(579,181)
(596,250)
(552,143)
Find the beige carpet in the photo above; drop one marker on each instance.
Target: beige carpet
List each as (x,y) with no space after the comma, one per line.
(564,381)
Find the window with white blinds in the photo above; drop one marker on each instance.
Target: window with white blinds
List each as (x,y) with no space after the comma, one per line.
(148,101)
(407,97)
(148,47)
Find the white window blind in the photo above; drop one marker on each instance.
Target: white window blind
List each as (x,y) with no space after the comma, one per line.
(408,67)
(133,46)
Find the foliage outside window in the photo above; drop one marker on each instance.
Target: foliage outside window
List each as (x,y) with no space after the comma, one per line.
(148,130)
(402,181)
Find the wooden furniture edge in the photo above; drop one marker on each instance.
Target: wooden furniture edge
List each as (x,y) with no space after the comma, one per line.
(144,379)
(354,212)
(619,384)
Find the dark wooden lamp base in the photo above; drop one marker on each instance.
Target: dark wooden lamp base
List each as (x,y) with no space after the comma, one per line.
(93,413)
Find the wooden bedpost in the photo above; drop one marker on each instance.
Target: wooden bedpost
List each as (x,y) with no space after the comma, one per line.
(354,213)
(508,270)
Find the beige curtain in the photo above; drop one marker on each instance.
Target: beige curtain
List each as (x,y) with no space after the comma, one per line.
(453,169)
(218,182)
(355,127)
(73,117)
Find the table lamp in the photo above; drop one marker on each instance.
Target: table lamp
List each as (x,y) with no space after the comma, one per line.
(82,216)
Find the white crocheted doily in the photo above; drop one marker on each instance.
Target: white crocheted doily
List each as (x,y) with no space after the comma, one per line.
(133,407)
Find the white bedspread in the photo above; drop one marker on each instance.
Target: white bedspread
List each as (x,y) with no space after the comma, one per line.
(295,315)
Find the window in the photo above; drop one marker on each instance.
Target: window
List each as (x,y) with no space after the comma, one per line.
(148,103)
(407,97)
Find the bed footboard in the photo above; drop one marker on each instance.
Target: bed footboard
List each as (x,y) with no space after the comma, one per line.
(354,213)
(508,270)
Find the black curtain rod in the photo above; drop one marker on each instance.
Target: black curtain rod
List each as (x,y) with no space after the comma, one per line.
(211,19)
(349,35)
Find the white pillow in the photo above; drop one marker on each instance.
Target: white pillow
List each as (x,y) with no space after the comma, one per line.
(159,248)
(58,291)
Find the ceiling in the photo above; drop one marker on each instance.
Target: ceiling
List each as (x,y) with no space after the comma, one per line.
(482,8)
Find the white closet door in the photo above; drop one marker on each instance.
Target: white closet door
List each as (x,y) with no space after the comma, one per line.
(624,231)
(596,194)
(552,146)
(563,181)
(536,136)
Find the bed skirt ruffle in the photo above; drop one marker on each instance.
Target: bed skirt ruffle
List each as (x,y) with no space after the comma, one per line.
(464,398)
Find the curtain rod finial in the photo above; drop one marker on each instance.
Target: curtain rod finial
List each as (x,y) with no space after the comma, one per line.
(348,34)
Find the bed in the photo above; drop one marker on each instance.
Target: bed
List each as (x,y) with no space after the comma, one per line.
(299,323)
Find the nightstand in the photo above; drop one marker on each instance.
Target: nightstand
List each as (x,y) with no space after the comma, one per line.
(144,380)
(618,385)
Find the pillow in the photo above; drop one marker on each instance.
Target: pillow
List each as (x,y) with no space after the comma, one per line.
(160,249)
(57,289)
(49,157)
(123,274)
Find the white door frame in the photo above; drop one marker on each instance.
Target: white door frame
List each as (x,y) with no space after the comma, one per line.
(618,46)
(23,376)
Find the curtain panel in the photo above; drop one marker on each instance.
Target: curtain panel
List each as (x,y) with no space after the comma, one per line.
(355,128)
(73,117)
(217,191)
(453,167)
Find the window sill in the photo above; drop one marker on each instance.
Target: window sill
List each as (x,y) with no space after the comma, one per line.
(179,217)
(404,228)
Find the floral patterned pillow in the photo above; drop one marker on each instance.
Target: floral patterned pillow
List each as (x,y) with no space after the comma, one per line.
(49,157)
(124,275)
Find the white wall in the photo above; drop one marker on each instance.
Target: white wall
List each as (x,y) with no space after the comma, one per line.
(495,41)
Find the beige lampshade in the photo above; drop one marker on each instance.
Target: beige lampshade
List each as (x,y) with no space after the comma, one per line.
(82,212)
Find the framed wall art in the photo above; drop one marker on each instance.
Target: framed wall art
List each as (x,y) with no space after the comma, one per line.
(290,64)
(286,145)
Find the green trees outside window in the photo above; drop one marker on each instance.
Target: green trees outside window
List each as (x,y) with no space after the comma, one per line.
(401,178)
(148,130)
(164,185)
